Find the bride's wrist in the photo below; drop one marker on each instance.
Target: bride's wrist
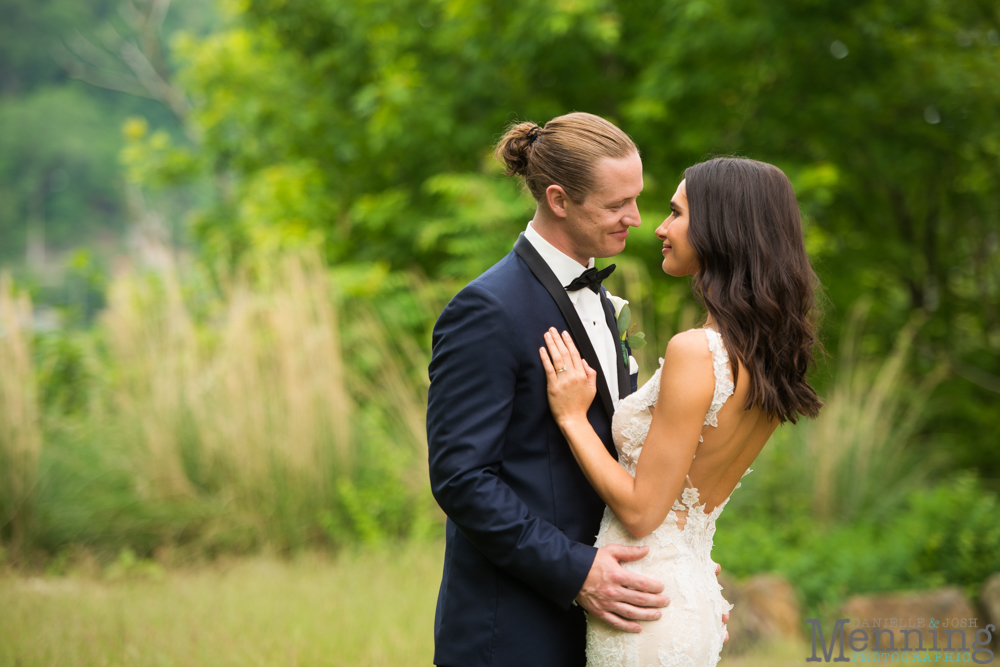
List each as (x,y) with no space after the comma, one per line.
(570,421)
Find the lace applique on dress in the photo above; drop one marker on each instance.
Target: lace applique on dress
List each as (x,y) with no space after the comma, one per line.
(723,382)
(690,632)
(632,419)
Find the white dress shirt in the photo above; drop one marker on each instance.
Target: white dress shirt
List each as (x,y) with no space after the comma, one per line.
(588,306)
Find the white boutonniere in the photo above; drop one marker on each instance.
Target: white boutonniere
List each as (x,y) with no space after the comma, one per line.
(618,303)
(623,317)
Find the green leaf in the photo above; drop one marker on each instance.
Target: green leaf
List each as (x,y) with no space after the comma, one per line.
(637,341)
(624,319)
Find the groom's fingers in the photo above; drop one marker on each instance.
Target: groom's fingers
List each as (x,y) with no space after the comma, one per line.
(627,615)
(644,586)
(621,607)
(725,617)
(648,602)
(619,597)
(624,554)
(616,621)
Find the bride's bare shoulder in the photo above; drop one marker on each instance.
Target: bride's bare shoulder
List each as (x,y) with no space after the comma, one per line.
(686,361)
(688,345)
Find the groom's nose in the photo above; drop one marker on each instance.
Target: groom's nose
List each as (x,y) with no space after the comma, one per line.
(631,215)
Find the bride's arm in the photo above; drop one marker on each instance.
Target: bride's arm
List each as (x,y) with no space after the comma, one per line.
(687,383)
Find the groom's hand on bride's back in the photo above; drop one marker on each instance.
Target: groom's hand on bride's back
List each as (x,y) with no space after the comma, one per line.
(619,597)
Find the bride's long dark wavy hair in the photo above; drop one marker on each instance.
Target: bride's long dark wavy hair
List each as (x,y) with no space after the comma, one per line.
(755,279)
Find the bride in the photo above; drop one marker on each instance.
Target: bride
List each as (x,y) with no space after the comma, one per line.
(691,432)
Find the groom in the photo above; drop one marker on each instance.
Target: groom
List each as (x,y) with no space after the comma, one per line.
(519,565)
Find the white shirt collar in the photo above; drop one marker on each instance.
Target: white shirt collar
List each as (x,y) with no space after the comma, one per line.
(565,267)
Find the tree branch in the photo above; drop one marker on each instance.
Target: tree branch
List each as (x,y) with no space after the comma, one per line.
(148,75)
(77,68)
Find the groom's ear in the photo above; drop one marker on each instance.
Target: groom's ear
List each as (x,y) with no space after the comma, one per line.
(556,198)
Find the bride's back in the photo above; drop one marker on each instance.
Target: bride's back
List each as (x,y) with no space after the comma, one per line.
(727,450)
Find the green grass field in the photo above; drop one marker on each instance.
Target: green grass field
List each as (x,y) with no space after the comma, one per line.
(359,609)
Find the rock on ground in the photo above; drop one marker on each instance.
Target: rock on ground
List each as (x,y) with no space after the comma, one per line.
(912,621)
(766,608)
(990,599)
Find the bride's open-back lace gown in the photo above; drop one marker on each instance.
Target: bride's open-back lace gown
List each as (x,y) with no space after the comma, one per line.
(690,632)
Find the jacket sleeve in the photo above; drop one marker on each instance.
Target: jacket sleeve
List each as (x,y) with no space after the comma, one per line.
(473,375)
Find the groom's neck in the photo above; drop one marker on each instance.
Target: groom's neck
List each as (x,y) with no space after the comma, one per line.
(553,230)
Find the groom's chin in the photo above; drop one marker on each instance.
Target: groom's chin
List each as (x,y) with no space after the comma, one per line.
(615,247)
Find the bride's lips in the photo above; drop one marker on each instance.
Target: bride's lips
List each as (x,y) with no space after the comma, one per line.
(666,248)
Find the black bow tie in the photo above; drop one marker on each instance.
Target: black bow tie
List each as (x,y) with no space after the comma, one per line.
(590,278)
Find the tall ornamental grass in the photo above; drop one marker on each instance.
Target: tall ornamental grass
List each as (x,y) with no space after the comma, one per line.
(20,434)
(270,412)
(252,409)
(861,454)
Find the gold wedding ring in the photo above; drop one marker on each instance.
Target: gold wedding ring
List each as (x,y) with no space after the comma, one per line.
(560,370)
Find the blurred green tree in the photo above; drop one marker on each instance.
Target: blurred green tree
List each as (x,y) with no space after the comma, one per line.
(364,128)
(58,170)
(889,113)
(60,182)
(28,31)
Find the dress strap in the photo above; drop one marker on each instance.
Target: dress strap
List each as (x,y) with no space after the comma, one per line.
(724,387)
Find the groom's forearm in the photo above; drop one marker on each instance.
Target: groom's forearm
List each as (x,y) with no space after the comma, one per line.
(498,523)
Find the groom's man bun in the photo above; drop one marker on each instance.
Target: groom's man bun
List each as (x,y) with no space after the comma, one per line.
(564,152)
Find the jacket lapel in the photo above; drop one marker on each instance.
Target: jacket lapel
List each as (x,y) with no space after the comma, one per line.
(544,274)
(624,383)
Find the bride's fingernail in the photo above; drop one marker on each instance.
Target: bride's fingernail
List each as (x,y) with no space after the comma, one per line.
(657,617)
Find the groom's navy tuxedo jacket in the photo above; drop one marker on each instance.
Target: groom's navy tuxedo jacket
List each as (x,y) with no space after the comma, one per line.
(522,517)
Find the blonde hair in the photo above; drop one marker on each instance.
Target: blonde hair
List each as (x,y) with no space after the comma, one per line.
(564,152)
